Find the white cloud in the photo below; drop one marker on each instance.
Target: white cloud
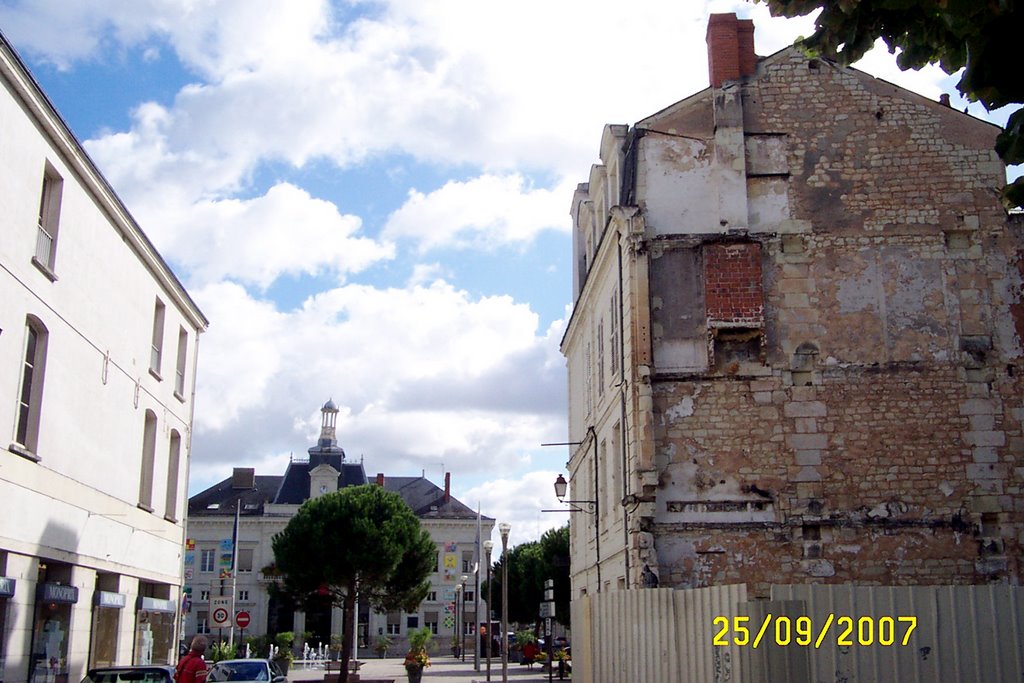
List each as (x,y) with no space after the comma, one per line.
(518,501)
(482,213)
(255,241)
(423,375)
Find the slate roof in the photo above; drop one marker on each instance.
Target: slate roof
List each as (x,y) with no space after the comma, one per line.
(424,497)
(295,483)
(223,496)
(427,499)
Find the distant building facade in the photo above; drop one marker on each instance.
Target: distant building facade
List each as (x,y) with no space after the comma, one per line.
(98,349)
(267,503)
(795,353)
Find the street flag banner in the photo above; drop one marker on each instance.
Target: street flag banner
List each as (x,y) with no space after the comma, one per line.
(234,536)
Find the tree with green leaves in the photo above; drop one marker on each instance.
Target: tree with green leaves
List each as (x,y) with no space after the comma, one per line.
(529,565)
(361,539)
(978,36)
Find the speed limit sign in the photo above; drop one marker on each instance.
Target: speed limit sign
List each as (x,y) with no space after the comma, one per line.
(220,612)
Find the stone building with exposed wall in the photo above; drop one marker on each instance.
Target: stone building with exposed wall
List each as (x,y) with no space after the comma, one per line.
(795,353)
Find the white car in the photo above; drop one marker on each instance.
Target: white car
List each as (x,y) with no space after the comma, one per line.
(262,670)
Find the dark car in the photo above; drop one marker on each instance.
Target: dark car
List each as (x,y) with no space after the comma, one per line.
(155,673)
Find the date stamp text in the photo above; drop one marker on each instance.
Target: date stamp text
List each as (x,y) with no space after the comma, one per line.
(803,632)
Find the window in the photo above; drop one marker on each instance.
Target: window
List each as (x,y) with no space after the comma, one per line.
(158,338)
(600,357)
(412,622)
(30,397)
(613,347)
(179,369)
(431,596)
(203,622)
(467,596)
(394,624)
(173,465)
(430,621)
(204,596)
(206,562)
(245,559)
(467,560)
(243,595)
(148,460)
(49,219)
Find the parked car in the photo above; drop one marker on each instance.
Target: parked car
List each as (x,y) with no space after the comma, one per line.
(265,670)
(130,674)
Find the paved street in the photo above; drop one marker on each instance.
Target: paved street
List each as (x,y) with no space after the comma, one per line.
(442,670)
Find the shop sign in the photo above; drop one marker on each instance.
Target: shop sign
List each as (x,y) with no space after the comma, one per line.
(156,605)
(107,599)
(6,587)
(58,592)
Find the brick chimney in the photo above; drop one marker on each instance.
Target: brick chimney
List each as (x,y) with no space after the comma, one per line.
(243,478)
(730,48)
(447,486)
(380,479)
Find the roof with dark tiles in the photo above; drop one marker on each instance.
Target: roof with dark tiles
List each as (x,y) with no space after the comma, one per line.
(425,498)
(221,498)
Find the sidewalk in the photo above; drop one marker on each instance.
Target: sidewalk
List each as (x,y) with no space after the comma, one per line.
(443,669)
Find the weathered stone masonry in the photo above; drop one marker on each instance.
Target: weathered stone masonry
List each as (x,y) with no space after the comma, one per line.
(823,365)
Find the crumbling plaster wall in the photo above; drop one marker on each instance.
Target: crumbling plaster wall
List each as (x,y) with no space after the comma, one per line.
(893,455)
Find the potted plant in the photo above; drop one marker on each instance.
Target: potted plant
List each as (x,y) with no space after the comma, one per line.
(456,647)
(284,656)
(382,645)
(417,659)
(221,651)
(335,647)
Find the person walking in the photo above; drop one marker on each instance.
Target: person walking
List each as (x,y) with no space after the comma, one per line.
(192,667)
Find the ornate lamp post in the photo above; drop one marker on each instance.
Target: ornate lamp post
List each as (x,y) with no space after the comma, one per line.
(504,528)
(458,620)
(462,612)
(488,546)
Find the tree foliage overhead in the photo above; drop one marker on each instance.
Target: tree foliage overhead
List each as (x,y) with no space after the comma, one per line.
(978,36)
(361,539)
(529,565)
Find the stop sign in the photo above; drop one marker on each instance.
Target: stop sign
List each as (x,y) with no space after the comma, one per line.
(242,619)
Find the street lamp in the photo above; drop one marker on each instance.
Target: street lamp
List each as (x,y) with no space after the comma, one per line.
(462,611)
(458,618)
(503,529)
(561,485)
(488,546)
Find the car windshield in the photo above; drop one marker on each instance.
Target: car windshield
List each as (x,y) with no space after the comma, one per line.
(239,671)
(128,676)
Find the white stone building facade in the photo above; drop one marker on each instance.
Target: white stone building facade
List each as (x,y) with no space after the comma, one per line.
(98,348)
(265,505)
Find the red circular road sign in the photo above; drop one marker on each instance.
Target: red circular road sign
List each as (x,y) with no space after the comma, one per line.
(242,619)
(220,616)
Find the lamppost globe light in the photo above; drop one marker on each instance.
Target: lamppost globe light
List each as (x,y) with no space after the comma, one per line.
(504,528)
(488,546)
(561,485)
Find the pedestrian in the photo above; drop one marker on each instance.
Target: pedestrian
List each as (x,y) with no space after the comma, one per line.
(192,667)
(529,652)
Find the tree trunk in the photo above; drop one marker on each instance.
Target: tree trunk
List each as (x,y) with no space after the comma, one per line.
(348,609)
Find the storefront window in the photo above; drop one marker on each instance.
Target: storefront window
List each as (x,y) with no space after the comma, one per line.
(50,633)
(106,617)
(154,632)
(6,591)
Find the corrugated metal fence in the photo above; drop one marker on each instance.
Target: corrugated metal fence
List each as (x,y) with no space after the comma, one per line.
(810,634)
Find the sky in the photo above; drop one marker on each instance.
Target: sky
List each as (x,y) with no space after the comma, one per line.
(369,200)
